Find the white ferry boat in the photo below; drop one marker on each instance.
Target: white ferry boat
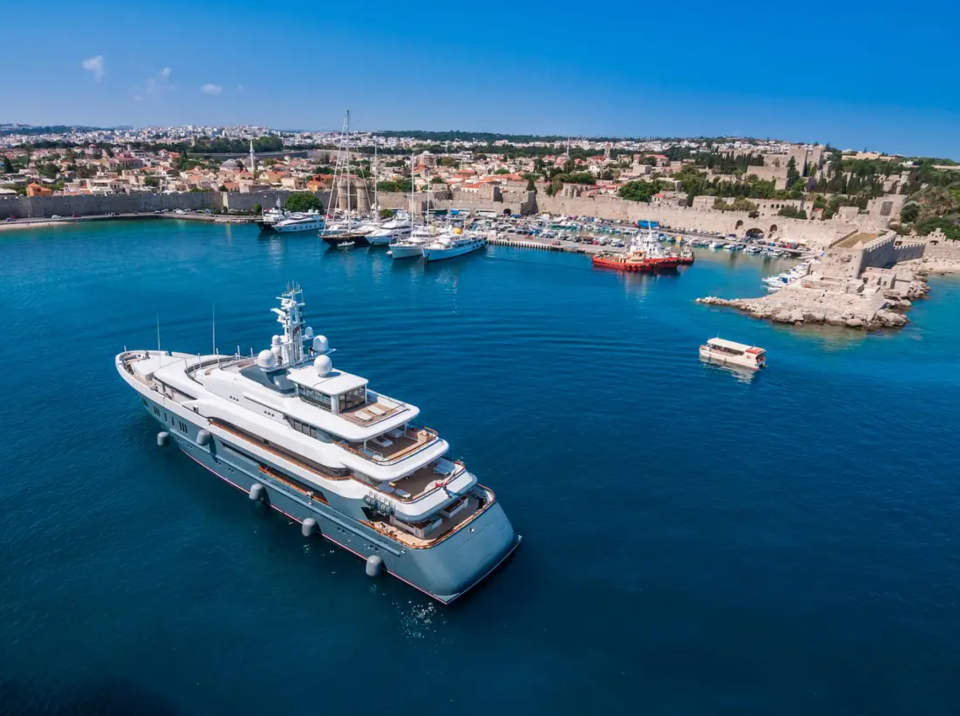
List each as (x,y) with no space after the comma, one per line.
(719,350)
(321,447)
(449,246)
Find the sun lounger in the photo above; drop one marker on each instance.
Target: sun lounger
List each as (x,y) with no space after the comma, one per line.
(376,411)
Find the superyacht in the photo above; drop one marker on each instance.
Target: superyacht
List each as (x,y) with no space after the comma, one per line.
(320,446)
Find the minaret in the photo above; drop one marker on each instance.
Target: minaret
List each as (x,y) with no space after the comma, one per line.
(253,161)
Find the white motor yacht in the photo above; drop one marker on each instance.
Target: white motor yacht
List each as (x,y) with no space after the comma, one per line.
(389,232)
(449,246)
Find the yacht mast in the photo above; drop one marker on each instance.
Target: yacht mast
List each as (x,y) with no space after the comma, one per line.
(376,190)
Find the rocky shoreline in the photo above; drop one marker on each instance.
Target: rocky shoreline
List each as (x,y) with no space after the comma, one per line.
(801,306)
(801,312)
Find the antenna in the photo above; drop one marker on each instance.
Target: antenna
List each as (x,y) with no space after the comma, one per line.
(214,329)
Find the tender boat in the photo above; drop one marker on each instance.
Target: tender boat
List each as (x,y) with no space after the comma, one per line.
(720,350)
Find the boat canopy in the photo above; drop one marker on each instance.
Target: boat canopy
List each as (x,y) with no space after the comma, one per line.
(733,346)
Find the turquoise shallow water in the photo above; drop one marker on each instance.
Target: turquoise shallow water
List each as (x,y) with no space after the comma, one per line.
(693,542)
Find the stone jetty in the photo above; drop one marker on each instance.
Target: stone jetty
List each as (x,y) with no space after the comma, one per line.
(864,281)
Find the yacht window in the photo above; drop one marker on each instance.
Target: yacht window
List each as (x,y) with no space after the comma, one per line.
(352,398)
(315,397)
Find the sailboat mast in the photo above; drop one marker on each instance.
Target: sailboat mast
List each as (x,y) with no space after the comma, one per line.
(376,190)
(348,161)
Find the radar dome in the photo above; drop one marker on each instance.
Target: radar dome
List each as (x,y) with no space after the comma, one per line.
(321,345)
(276,341)
(308,333)
(323,364)
(266,360)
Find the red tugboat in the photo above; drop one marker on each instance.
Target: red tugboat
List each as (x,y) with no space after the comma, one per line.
(645,256)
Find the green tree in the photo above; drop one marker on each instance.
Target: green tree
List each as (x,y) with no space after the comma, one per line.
(502,171)
(639,190)
(302,201)
(792,174)
(257,208)
(531,185)
(7,165)
(792,212)
(49,171)
(386,213)
(910,212)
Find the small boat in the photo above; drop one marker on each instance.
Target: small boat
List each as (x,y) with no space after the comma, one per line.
(346,245)
(716,245)
(686,257)
(719,350)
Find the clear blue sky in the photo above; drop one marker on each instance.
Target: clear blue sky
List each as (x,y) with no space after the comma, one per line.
(855,74)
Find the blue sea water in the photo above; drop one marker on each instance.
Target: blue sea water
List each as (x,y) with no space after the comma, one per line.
(695,542)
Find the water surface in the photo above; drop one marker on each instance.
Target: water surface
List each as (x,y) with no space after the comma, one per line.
(694,541)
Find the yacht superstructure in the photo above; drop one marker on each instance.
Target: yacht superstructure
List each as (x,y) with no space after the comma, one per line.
(388,232)
(322,447)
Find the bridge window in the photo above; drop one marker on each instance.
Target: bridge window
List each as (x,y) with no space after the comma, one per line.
(315,397)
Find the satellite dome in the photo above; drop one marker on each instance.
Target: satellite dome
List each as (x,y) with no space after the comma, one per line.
(266,360)
(321,345)
(275,341)
(323,364)
(308,333)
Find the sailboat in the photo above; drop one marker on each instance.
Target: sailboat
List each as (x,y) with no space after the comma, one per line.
(350,229)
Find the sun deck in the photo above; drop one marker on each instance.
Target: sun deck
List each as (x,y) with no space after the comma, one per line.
(373,411)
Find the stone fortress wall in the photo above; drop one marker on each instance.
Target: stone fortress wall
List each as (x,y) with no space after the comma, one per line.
(146,202)
(849,256)
(699,218)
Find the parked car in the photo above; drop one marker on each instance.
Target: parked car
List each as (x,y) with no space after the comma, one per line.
(11,218)
(56,216)
(76,216)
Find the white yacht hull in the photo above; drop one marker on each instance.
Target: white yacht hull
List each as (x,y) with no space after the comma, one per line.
(443,572)
(438,254)
(405,252)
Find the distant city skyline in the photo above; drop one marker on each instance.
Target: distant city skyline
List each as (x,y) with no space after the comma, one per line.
(761,72)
